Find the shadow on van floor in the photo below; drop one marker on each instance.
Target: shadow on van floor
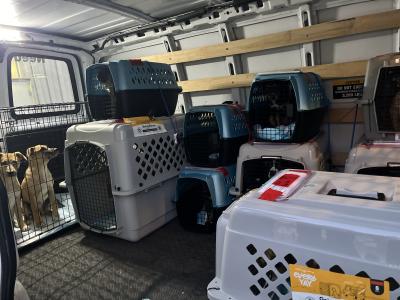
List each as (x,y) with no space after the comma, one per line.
(169,264)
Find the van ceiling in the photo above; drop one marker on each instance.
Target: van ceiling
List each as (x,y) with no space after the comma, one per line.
(91,19)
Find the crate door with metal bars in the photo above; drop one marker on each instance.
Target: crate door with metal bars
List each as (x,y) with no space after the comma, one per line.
(32,166)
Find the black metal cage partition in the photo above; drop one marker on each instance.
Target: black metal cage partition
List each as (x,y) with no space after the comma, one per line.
(32,166)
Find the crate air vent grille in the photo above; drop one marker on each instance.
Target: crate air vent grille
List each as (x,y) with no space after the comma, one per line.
(157,157)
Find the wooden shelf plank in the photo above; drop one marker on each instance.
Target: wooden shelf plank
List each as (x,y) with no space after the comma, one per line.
(323,31)
(328,71)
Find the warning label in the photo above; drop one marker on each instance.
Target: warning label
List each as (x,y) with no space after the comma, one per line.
(315,284)
(344,89)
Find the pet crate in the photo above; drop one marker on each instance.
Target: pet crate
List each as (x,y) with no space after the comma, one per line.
(122,178)
(116,89)
(214,134)
(201,196)
(379,158)
(258,162)
(340,223)
(10,286)
(381,98)
(46,124)
(286,107)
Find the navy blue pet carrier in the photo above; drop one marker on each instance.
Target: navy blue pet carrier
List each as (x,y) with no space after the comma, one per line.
(286,107)
(131,88)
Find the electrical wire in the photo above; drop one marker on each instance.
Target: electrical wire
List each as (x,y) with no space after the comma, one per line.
(354,127)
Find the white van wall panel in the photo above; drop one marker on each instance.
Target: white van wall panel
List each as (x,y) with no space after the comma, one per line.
(272,60)
(354,10)
(211,97)
(206,68)
(360,46)
(265,27)
(212,68)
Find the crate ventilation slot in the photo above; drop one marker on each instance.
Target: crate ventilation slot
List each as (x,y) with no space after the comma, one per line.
(157,157)
(268,268)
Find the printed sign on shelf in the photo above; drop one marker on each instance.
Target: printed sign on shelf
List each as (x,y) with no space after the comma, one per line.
(315,284)
(344,89)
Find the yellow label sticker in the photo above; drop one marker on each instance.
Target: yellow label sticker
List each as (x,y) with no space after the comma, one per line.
(315,284)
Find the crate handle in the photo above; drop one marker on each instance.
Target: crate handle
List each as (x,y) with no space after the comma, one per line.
(350,194)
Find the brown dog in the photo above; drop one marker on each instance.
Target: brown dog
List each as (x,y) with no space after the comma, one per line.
(8,172)
(37,185)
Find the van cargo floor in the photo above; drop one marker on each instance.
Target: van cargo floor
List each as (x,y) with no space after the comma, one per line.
(169,264)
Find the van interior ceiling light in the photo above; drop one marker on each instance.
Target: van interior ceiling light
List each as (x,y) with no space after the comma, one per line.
(8,17)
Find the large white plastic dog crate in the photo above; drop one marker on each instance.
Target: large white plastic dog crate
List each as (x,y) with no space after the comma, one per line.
(321,220)
(258,162)
(375,159)
(380,154)
(122,178)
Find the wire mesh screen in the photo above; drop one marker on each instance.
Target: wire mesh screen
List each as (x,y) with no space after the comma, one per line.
(387,100)
(202,141)
(91,183)
(32,166)
(194,206)
(272,110)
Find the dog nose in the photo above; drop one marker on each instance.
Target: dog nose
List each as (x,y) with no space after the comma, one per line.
(12,173)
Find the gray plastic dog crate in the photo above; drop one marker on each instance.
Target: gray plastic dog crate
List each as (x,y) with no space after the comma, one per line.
(122,178)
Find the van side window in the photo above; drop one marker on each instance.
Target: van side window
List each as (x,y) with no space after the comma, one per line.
(41,80)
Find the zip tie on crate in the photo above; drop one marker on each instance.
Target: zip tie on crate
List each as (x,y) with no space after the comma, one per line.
(283,185)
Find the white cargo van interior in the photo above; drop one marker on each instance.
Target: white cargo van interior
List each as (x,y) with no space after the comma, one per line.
(211,53)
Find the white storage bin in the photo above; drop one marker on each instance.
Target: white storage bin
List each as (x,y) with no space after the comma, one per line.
(122,178)
(258,240)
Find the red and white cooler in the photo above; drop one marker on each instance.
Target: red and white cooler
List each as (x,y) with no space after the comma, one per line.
(311,235)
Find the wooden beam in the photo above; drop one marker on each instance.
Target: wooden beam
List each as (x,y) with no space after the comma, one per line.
(323,31)
(328,71)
